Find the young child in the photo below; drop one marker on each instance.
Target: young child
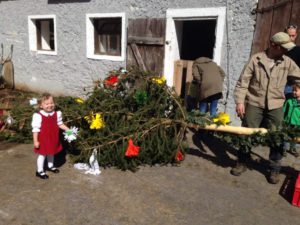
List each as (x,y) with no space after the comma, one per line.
(45,129)
(292,117)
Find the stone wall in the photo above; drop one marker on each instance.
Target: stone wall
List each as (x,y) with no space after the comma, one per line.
(70,70)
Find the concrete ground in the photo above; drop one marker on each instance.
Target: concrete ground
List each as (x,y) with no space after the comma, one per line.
(199,191)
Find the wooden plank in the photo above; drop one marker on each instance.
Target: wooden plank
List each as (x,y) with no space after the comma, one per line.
(149,35)
(281,16)
(189,71)
(146,40)
(138,57)
(177,78)
(263,27)
(295,18)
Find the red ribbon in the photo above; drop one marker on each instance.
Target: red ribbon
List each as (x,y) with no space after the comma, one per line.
(179,156)
(111,80)
(132,150)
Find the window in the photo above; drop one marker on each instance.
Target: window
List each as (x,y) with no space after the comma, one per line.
(105,36)
(42,34)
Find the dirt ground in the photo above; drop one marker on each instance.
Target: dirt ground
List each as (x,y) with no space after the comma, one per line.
(199,191)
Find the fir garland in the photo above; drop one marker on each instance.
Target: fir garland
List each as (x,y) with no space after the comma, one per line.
(137,109)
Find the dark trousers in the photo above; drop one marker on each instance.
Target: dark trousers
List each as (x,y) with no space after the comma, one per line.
(271,119)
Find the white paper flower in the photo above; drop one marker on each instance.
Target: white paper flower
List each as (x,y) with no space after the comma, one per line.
(124,71)
(33,101)
(9,120)
(71,135)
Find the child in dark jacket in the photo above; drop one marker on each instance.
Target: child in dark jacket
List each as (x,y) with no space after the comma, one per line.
(207,85)
(292,117)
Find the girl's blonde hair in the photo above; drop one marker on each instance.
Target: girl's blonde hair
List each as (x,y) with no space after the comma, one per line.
(45,96)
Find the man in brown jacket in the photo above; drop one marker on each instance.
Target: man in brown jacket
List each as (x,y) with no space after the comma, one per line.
(259,97)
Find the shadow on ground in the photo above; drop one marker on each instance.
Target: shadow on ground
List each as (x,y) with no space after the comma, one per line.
(209,147)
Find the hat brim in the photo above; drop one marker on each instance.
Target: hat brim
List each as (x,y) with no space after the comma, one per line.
(288,45)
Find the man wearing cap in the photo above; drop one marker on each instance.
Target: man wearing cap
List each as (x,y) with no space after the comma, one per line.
(259,97)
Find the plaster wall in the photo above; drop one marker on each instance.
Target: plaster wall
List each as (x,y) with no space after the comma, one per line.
(70,71)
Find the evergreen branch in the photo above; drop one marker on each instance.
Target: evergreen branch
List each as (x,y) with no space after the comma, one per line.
(178,103)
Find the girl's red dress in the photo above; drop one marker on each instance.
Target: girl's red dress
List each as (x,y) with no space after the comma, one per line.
(49,136)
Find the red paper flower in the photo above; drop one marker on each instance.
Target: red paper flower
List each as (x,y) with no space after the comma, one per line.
(179,156)
(132,150)
(111,80)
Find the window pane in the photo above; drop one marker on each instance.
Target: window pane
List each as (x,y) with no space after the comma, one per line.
(107,36)
(45,34)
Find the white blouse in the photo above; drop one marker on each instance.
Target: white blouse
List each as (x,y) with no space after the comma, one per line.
(37,119)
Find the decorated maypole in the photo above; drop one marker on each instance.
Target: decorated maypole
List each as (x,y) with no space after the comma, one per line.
(133,118)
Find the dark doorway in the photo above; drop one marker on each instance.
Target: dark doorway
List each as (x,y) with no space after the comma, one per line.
(198,39)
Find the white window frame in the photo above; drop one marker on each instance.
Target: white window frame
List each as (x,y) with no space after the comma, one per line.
(90,38)
(32,30)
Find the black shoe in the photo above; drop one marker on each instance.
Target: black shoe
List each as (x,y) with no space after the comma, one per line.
(41,175)
(53,170)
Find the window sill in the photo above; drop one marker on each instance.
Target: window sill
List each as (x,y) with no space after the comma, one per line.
(41,52)
(106,57)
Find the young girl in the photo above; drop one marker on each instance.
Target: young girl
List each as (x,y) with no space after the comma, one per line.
(45,129)
(292,117)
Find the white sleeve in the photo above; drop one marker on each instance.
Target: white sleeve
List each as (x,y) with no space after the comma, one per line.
(59,118)
(36,122)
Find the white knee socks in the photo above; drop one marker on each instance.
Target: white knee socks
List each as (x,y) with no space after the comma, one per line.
(41,161)
(50,159)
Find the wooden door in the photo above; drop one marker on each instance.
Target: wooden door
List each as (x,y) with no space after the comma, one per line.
(273,16)
(145,48)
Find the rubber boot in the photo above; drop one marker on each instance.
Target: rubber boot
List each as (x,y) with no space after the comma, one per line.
(273,177)
(238,169)
(240,166)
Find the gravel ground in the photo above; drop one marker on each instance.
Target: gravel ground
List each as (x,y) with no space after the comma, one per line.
(199,191)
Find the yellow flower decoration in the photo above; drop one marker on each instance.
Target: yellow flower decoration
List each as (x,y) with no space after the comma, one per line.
(95,121)
(159,80)
(79,100)
(222,118)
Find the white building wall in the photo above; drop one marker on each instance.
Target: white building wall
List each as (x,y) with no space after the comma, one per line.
(69,71)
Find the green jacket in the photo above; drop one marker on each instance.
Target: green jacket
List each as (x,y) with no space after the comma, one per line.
(291,110)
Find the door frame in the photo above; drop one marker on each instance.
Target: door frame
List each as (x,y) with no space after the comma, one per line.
(171,43)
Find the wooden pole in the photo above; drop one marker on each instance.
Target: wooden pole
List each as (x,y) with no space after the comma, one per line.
(233,129)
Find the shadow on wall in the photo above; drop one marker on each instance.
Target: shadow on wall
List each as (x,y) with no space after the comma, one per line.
(66,1)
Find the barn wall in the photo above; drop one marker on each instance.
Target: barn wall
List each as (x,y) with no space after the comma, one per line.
(70,70)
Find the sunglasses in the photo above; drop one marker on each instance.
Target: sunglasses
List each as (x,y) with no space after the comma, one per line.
(292,26)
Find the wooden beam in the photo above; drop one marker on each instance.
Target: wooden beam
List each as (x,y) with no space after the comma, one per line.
(233,129)
(146,40)
(138,56)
